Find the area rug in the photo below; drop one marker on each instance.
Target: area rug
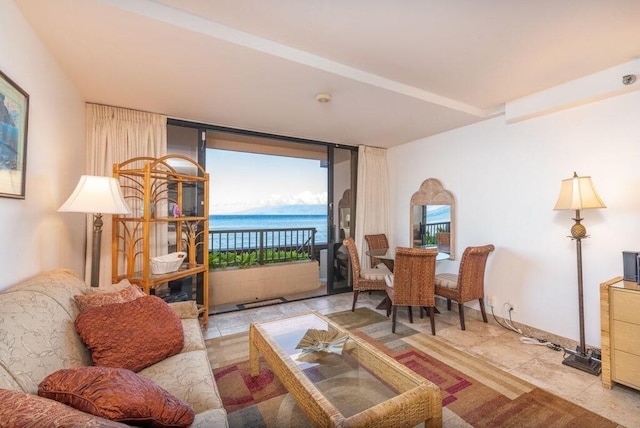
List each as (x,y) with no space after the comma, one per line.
(474,393)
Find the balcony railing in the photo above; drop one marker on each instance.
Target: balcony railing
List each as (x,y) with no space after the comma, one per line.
(243,248)
(430,231)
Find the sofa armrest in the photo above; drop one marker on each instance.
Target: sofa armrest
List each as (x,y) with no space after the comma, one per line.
(185,310)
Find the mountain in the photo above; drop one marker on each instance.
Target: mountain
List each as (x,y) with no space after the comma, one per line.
(318,209)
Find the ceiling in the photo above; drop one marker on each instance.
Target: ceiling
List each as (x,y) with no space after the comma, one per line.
(397,71)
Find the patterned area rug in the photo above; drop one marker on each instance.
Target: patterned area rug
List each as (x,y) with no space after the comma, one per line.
(474,393)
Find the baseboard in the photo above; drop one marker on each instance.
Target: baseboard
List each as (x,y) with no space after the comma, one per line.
(564,342)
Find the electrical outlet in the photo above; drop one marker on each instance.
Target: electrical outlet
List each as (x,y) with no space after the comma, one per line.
(492,301)
(510,306)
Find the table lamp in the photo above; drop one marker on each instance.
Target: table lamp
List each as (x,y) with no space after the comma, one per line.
(577,193)
(98,195)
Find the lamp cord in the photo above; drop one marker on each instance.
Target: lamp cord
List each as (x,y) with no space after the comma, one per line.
(525,339)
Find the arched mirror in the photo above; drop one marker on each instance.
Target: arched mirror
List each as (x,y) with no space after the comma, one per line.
(344,215)
(432,217)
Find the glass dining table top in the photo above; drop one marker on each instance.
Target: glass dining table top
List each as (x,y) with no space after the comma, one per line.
(390,253)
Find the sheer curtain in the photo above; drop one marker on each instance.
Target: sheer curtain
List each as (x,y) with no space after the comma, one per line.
(115,135)
(372,200)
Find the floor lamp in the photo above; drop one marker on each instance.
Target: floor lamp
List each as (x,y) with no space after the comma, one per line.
(577,193)
(96,195)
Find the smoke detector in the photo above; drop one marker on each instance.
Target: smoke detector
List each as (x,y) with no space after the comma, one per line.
(323,97)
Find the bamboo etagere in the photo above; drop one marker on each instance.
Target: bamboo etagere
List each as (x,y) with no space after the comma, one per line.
(169,199)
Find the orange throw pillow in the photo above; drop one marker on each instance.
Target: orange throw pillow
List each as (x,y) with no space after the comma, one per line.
(127,294)
(22,410)
(117,394)
(131,335)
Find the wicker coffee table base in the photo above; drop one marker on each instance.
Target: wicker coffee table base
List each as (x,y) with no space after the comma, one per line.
(418,399)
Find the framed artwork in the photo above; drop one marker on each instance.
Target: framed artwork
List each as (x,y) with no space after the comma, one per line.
(14,113)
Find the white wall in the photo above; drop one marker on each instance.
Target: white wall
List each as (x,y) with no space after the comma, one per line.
(34,236)
(506,179)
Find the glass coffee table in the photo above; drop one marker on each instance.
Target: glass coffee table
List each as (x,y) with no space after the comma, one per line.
(338,379)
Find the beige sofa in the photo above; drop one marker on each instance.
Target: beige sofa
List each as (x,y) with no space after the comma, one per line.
(38,337)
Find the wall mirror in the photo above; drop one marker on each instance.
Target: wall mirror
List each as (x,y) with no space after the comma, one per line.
(432,217)
(344,213)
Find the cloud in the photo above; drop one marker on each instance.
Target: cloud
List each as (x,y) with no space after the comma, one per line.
(304,198)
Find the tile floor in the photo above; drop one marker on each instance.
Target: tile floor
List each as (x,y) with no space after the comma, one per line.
(538,365)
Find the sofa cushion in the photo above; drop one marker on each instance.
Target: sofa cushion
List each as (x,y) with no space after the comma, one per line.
(128,294)
(116,394)
(22,410)
(189,377)
(37,337)
(58,284)
(131,335)
(211,418)
(187,309)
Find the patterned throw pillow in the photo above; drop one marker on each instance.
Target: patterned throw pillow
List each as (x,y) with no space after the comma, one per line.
(131,335)
(127,294)
(108,288)
(22,410)
(117,394)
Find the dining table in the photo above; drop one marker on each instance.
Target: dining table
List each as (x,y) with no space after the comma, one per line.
(388,255)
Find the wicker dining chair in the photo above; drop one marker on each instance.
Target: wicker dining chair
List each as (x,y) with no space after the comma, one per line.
(363,279)
(413,283)
(468,284)
(377,242)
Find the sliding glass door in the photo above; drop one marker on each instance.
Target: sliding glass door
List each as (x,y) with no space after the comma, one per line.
(341,215)
(330,196)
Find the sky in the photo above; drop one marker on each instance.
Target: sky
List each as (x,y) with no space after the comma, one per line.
(241,181)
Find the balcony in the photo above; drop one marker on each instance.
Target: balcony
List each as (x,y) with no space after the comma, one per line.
(245,248)
(258,265)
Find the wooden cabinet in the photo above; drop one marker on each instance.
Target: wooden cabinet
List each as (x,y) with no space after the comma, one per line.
(620,327)
(169,199)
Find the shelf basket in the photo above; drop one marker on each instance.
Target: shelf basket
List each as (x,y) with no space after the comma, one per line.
(167,263)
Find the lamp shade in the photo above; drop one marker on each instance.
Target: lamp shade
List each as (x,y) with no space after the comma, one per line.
(578,193)
(96,194)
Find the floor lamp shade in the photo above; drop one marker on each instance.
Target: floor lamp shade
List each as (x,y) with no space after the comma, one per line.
(98,195)
(95,194)
(577,193)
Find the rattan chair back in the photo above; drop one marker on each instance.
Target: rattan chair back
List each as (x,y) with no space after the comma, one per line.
(359,282)
(471,273)
(376,242)
(468,285)
(413,283)
(414,276)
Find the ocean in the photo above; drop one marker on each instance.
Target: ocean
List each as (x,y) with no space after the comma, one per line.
(279,221)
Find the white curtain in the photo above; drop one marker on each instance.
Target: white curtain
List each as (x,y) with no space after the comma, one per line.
(115,135)
(372,200)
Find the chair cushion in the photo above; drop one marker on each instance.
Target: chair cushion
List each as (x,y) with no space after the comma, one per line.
(388,279)
(447,280)
(376,274)
(117,394)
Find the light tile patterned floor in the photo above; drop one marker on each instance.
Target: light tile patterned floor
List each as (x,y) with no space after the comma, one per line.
(536,364)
